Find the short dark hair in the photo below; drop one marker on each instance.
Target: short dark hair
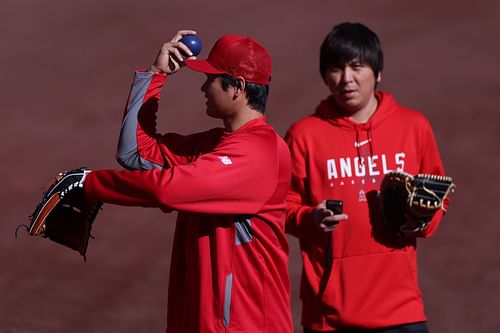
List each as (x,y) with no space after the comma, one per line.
(348,41)
(255,93)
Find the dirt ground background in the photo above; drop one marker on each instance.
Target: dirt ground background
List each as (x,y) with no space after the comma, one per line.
(66,68)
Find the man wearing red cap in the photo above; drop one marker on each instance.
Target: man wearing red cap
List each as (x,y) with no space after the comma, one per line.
(229,267)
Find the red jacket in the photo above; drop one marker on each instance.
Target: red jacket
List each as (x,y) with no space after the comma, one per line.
(372,282)
(229,267)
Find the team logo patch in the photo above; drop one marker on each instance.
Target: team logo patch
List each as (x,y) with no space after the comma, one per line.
(225,160)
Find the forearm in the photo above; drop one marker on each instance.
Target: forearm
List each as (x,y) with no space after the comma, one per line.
(298,214)
(206,186)
(298,217)
(137,144)
(119,187)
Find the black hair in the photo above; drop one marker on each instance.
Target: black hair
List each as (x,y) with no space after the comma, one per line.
(255,93)
(348,41)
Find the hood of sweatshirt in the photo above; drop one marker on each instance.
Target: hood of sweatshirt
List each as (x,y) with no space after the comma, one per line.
(328,111)
(363,132)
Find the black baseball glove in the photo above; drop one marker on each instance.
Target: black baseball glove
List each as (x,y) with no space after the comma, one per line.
(409,202)
(64,214)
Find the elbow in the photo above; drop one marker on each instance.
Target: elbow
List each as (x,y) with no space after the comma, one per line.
(134,161)
(129,161)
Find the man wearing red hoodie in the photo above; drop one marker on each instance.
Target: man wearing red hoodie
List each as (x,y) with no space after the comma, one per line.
(357,273)
(229,266)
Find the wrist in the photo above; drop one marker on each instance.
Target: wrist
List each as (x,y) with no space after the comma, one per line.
(154,69)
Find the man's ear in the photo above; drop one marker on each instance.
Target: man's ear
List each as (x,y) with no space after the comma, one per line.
(240,87)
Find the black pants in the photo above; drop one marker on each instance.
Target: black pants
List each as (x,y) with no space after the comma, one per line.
(408,328)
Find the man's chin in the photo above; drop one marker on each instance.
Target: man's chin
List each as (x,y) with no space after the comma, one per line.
(346,106)
(211,114)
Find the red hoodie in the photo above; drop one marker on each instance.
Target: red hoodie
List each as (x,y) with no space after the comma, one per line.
(229,267)
(372,282)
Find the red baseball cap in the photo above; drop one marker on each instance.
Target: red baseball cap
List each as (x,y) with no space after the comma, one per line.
(236,56)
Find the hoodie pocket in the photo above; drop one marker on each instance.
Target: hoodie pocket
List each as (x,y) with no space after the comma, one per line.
(373,286)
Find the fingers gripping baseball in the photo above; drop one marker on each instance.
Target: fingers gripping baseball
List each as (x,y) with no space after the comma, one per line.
(170,58)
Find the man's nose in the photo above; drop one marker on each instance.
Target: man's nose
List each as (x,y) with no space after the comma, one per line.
(347,74)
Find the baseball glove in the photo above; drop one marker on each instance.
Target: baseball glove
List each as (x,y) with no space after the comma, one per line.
(409,202)
(64,214)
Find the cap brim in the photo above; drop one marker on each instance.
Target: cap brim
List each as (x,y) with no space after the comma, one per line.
(202,66)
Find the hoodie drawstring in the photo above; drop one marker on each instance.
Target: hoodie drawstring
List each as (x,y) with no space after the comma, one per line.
(369,139)
(358,145)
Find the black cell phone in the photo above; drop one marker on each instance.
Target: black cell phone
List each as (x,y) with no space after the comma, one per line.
(335,206)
